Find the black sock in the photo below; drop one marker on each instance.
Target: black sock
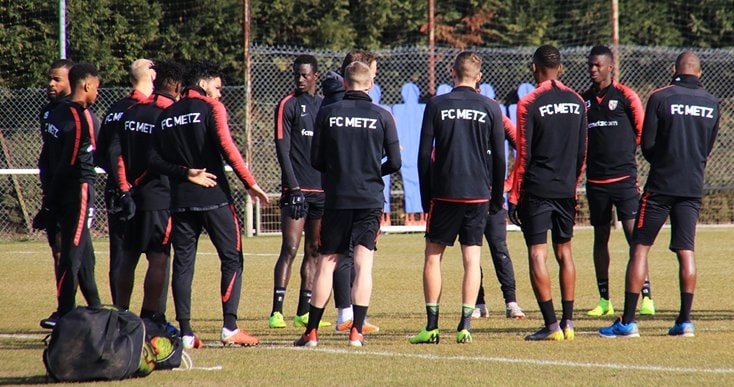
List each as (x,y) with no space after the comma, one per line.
(630,306)
(603,285)
(646,292)
(303,300)
(278,297)
(567,311)
(230,321)
(686,303)
(432,315)
(314,318)
(465,320)
(480,296)
(548,312)
(147,314)
(185,326)
(360,313)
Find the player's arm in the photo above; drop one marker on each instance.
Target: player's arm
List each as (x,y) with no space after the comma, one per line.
(70,140)
(510,131)
(653,112)
(391,146)
(285,116)
(425,153)
(497,146)
(524,152)
(715,131)
(583,136)
(317,158)
(634,111)
(115,159)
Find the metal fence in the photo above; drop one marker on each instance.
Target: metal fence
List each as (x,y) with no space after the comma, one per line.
(642,68)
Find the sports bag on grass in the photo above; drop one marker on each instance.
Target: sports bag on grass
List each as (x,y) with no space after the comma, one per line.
(101,343)
(166,345)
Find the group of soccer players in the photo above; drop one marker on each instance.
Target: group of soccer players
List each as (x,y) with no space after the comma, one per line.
(164,148)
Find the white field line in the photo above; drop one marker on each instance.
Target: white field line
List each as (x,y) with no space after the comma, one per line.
(538,362)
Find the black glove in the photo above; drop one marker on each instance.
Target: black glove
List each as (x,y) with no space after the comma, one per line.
(513,215)
(297,201)
(127,205)
(43,219)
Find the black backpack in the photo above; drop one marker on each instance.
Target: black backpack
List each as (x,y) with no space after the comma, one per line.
(101,343)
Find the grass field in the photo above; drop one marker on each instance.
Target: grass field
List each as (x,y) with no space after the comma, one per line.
(498,355)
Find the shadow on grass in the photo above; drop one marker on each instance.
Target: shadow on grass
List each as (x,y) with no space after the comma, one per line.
(23,380)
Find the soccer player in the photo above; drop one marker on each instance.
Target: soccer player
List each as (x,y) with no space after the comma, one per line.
(192,136)
(68,196)
(333,88)
(57,92)
(461,170)
(615,122)
(149,229)
(678,134)
(351,137)
(141,76)
(302,198)
(551,147)
(495,232)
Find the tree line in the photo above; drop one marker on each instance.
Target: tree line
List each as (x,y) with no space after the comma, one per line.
(112,33)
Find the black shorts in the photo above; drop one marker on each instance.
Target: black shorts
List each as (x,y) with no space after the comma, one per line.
(623,194)
(654,210)
(339,227)
(149,232)
(447,220)
(313,210)
(538,215)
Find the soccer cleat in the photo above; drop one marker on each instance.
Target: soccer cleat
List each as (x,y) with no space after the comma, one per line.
(239,337)
(684,329)
(346,326)
(356,339)
(302,321)
(463,336)
(425,337)
(310,340)
(191,342)
(546,334)
(647,307)
(603,308)
(276,320)
(568,332)
(50,321)
(513,310)
(480,311)
(618,329)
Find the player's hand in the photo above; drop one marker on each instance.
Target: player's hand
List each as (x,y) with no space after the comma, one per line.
(43,219)
(127,205)
(297,201)
(257,193)
(202,177)
(513,214)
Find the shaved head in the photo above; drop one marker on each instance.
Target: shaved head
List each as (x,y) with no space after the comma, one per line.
(688,63)
(141,69)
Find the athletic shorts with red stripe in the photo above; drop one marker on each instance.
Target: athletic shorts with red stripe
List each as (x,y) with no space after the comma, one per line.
(447,220)
(655,209)
(76,264)
(623,194)
(538,215)
(223,227)
(339,227)
(149,232)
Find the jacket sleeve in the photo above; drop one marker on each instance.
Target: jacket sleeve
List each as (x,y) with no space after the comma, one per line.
(284,118)
(116,161)
(497,147)
(317,158)
(650,128)
(425,153)
(524,151)
(391,146)
(227,146)
(157,163)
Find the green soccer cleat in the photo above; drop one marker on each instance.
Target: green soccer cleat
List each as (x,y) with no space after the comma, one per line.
(603,308)
(647,307)
(425,337)
(463,336)
(302,321)
(277,320)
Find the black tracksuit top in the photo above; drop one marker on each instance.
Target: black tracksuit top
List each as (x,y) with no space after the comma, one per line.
(295,115)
